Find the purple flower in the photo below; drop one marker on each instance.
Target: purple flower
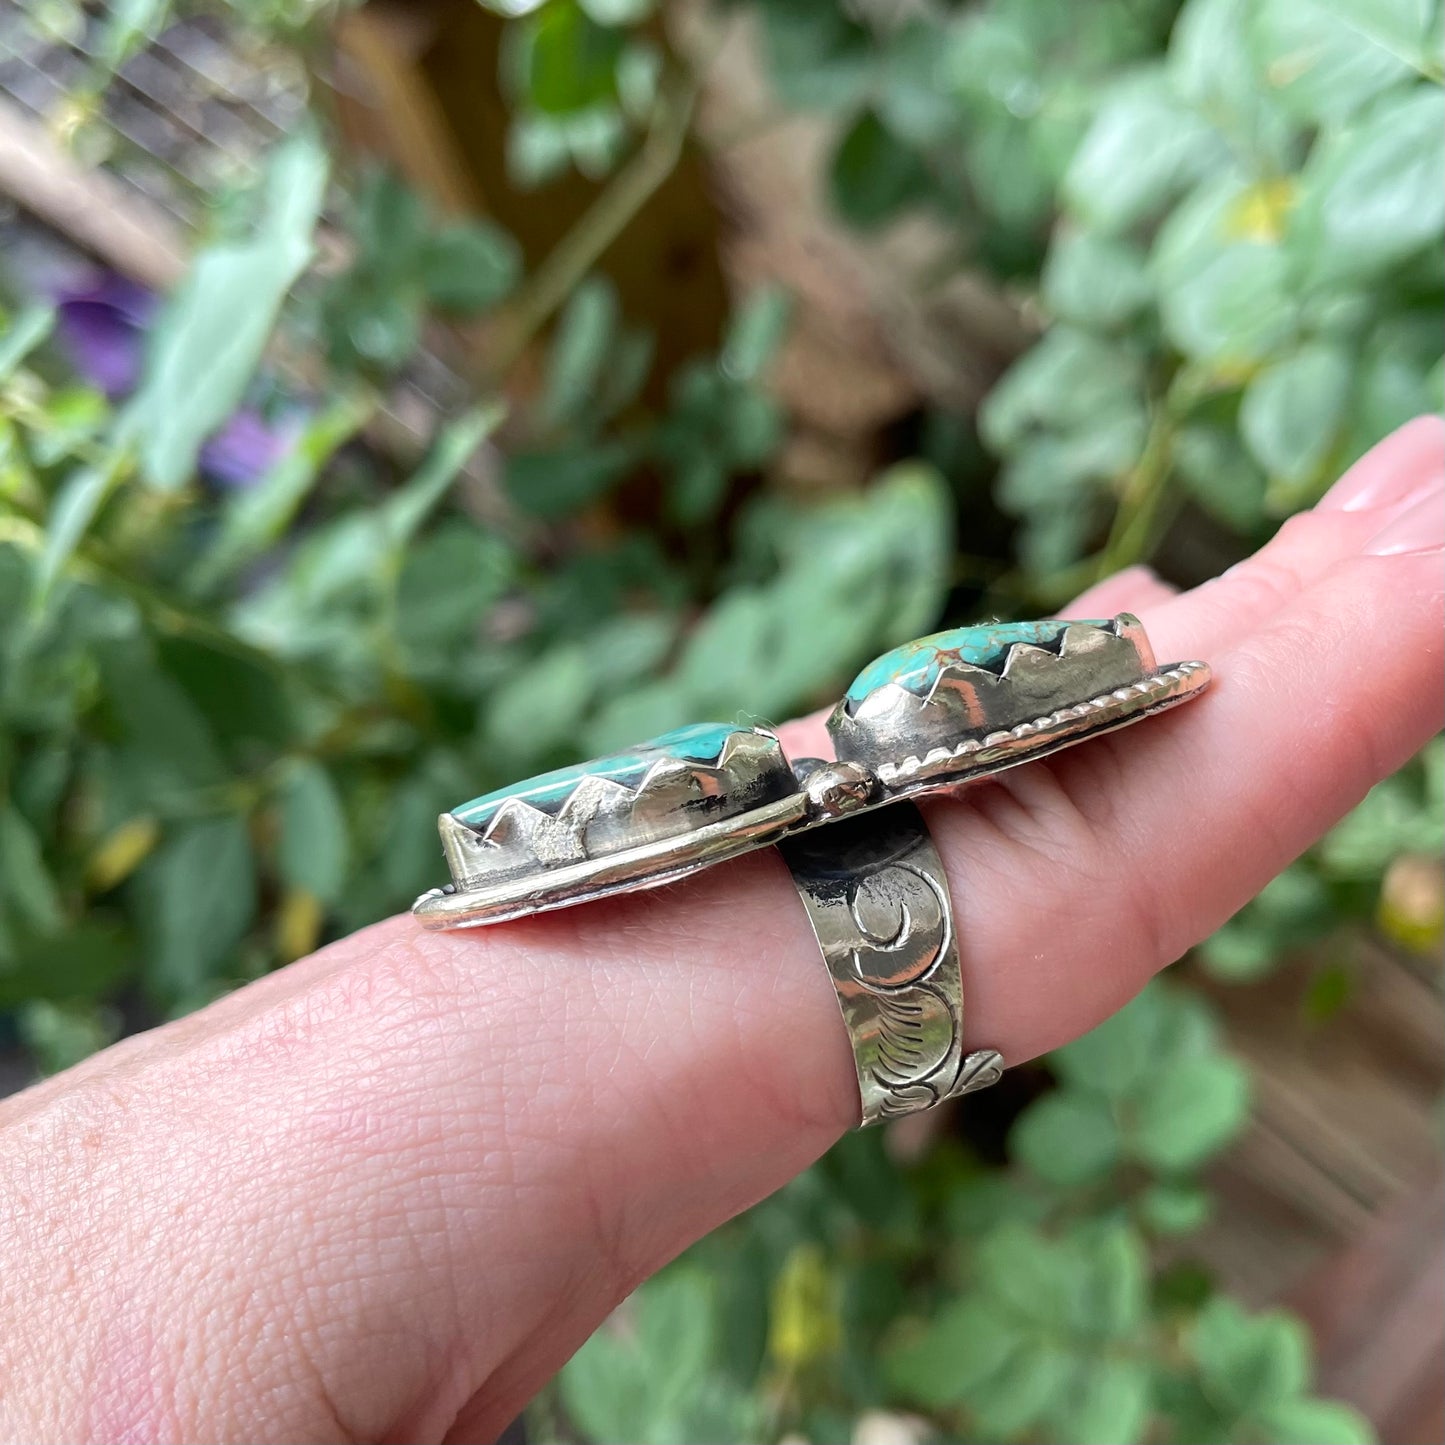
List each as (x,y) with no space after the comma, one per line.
(247,447)
(102,325)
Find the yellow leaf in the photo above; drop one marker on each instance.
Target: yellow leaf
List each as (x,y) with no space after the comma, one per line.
(803,1320)
(121,853)
(1412,903)
(298,924)
(1259,214)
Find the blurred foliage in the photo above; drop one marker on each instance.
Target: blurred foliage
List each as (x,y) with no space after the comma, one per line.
(230,714)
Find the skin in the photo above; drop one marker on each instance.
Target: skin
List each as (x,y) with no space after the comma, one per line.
(384,1193)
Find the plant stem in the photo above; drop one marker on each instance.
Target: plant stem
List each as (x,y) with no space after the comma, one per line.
(608,216)
(1134,521)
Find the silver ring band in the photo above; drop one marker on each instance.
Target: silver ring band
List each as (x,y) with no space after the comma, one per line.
(878,901)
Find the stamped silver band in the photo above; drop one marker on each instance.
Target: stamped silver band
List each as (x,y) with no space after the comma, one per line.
(877,898)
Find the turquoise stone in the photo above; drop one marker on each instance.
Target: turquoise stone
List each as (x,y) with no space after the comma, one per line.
(697,743)
(915,666)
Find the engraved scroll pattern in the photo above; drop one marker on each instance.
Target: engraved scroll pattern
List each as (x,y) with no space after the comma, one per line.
(878,902)
(903,963)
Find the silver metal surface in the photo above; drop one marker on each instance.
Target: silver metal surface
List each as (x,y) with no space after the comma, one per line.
(877,898)
(650,865)
(930,716)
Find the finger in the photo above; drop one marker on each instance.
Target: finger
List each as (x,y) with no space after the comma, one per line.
(1387,479)
(1406,466)
(1392,472)
(1136,589)
(441,1159)
(1116,857)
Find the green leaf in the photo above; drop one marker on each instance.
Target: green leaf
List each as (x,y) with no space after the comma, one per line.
(1121,1056)
(1067,1137)
(1322,66)
(409,506)
(1374,193)
(675,1334)
(61,1035)
(1026,1272)
(314,850)
(755,334)
(1250,1362)
(571,61)
(1224,286)
(1013,191)
(1030,1387)
(873,175)
(167,749)
(468,266)
(74,417)
(1095,280)
(585,333)
(380,329)
(1304,1421)
(197,896)
(1107,1295)
(255,518)
(966,1342)
(1238,953)
(553,483)
(448,582)
(1069,381)
(618,12)
(207,345)
(1217,471)
(1407,28)
(642,712)
(648,1387)
(854,576)
(390,224)
(536,711)
(1393,818)
(1189,1112)
(538,150)
(605,1388)
(1292,411)
(1216,72)
(75,507)
(917,99)
(820,57)
(1398,378)
(25,880)
(1173,1209)
(82,963)
(622,380)
(241,696)
(1113,1407)
(22,334)
(1142,149)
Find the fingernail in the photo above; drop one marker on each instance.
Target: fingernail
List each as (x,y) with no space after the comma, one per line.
(1399,467)
(1420,528)
(1431,487)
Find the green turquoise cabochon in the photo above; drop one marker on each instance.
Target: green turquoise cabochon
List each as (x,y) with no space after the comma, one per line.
(931,714)
(697,742)
(681,783)
(915,666)
(937,699)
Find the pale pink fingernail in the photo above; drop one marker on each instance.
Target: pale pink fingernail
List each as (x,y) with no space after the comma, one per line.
(1398,468)
(1419,529)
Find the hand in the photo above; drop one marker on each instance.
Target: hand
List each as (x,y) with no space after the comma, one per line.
(385,1193)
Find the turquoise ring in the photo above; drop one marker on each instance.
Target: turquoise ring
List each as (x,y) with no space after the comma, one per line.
(931,715)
